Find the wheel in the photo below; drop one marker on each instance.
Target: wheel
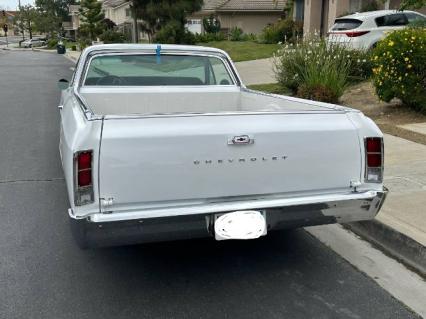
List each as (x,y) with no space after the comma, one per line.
(78,231)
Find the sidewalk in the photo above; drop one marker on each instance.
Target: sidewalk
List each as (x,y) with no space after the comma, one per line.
(405,176)
(72,55)
(256,71)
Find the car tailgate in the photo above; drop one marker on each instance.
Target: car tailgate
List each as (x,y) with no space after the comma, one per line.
(166,161)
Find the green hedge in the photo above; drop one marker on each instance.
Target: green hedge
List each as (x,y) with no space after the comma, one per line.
(400,67)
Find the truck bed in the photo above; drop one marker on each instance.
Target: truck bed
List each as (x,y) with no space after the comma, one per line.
(160,100)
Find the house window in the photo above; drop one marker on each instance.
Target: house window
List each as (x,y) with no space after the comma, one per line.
(127,12)
(300,10)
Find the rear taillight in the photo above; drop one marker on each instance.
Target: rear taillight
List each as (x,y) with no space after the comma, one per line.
(354,34)
(350,34)
(373,159)
(83,177)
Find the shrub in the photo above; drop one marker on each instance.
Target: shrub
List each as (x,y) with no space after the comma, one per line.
(236,34)
(281,31)
(325,83)
(209,37)
(111,36)
(400,69)
(174,32)
(361,65)
(211,24)
(52,43)
(313,69)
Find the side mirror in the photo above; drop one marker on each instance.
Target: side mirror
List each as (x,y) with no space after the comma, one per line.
(63,84)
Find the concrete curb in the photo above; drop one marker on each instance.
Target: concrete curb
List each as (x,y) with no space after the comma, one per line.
(392,242)
(70,57)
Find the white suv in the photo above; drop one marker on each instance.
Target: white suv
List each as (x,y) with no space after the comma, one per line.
(364,30)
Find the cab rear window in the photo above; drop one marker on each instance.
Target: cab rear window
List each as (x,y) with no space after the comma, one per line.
(152,70)
(345,24)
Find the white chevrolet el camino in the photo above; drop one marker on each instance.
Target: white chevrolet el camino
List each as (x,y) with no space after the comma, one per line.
(165,142)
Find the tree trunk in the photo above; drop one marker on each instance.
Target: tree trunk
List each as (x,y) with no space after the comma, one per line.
(30,29)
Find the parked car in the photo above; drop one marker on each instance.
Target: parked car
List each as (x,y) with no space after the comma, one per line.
(165,142)
(364,30)
(34,42)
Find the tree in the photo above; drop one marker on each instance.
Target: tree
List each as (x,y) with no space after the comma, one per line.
(166,15)
(412,4)
(25,18)
(91,17)
(109,24)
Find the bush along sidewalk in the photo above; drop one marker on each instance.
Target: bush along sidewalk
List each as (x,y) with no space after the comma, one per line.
(400,67)
(317,70)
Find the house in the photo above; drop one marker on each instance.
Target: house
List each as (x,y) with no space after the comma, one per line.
(252,16)
(119,12)
(71,27)
(319,15)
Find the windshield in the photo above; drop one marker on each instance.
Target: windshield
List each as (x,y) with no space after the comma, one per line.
(152,70)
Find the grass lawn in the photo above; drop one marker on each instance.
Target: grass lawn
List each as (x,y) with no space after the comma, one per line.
(244,50)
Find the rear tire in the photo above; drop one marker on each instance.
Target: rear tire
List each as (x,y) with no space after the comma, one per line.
(78,231)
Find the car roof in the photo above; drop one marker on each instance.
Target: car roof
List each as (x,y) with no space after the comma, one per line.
(153,47)
(372,14)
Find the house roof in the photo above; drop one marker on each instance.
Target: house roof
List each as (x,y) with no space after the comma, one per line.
(243,5)
(211,5)
(113,3)
(11,13)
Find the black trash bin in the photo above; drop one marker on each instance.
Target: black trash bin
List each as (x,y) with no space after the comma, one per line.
(60,48)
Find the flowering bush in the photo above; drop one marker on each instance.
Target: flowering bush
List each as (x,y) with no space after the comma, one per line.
(315,69)
(400,67)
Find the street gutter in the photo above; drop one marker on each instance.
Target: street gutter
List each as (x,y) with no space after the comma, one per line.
(393,243)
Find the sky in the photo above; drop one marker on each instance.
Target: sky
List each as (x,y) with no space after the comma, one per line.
(13,4)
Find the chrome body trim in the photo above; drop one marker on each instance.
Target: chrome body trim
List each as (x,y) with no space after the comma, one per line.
(111,230)
(78,190)
(382,167)
(236,82)
(212,208)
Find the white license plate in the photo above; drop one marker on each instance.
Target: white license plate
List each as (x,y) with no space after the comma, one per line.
(247,224)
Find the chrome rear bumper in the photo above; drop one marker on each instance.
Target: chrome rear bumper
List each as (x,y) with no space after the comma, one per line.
(193,222)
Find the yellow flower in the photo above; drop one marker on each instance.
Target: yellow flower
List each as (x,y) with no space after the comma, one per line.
(413,38)
(376,57)
(400,78)
(406,59)
(409,66)
(391,43)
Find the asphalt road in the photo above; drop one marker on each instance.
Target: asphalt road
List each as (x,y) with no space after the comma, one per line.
(44,275)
